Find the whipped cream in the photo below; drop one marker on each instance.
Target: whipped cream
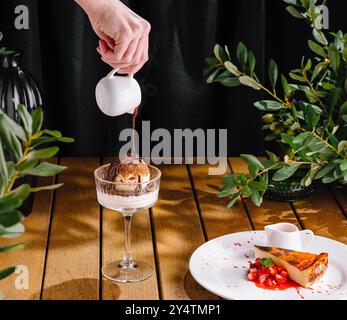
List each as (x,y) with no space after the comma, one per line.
(119,203)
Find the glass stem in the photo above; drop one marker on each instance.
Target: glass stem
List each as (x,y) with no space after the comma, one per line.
(127,258)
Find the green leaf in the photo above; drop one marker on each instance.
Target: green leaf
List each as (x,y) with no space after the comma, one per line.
(252,161)
(272,156)
(211,78)
(242,55)
(320,37)
(26,118)
(343,165)
(273,73)
(7,272)
(268,105)
(301,137)
(230,82)
(311,114)
(45,169)
(249,82)
(13,247)
(285,172)
(266,262)
(9,203)
(53,133)
(297,77)
(10,218)
(3,165)
(17,130)
(344,54)
(334,57)
(232,68)
(212,62)
(285,85)
(12,232)
(9,140)
(20,193)
(294,12)
(37,119)
(47,188)
(319,68)
(325,171)
(220,53)
(251,62)
(256,198)
(43,153)
(234,199)
(293,2)
(316,48)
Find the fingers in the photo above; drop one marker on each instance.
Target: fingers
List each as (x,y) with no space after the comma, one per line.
(130,51)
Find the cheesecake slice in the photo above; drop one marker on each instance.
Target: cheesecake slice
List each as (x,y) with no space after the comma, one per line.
(302,267)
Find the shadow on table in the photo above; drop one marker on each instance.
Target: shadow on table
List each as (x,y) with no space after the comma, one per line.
(195,291)
(77,289)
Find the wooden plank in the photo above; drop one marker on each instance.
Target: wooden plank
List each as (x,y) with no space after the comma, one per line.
(320,213)
(217,218)
(340,194)
(33,257)
(178,233)
(142,248)
(72,267)
(271,211)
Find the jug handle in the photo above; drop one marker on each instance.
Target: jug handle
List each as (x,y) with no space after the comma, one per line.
(114,71)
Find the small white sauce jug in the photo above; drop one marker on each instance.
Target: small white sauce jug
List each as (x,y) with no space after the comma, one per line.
(287,236)
(117,95)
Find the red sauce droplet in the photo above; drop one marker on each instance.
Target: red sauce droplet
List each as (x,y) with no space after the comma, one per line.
(237,244)
(284,286)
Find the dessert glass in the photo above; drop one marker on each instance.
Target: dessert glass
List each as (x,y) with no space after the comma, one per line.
(127,199)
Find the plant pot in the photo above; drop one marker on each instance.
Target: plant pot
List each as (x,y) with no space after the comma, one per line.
(289,190)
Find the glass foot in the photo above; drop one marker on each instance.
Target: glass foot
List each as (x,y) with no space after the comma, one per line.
(137,272)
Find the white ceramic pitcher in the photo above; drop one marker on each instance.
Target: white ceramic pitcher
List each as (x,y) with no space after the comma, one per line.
(117,95)
(288,236)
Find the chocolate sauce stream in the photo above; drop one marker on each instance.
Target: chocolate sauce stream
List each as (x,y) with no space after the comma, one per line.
(134,116)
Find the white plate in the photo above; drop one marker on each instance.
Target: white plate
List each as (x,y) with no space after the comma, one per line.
(221,265)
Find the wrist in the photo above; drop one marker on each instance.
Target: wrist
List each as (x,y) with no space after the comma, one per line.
(92,6)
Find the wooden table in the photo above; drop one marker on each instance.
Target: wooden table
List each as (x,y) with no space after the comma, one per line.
(71,236)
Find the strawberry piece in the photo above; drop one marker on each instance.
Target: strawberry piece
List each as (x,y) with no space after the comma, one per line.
(253,270)
(252,276)
(270,282)
(263,277)
(279,269)
(257,263)
(279,279)
(284,274)
(261,269)
(272,271)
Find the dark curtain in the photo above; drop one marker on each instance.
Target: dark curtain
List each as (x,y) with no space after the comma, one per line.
(59,49)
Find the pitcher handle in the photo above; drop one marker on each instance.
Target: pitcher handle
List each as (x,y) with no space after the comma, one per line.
(114,71)
(310,235)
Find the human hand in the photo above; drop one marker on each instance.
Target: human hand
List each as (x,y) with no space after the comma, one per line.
(124,35)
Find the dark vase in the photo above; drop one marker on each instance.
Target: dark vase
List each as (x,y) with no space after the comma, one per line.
(289,190)
(17,84)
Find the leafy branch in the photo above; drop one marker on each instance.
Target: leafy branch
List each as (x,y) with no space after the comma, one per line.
(308,118)
(23,150)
